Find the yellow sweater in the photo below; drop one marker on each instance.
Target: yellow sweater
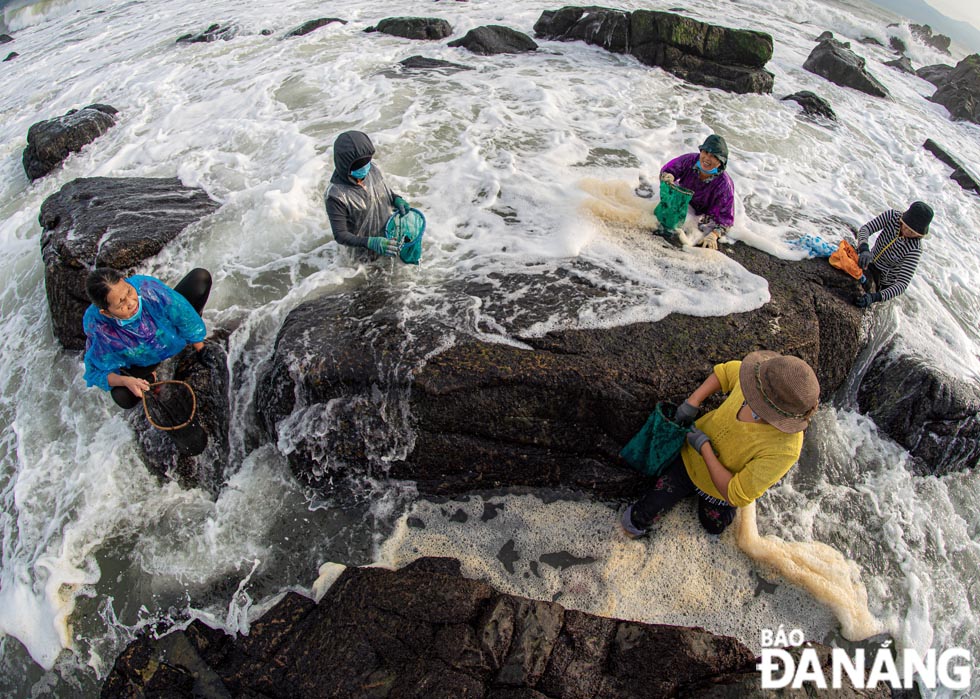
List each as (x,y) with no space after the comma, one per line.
(757,454)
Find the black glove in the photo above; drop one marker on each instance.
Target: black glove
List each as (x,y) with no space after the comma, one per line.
(864,256)
(865,300)
(697,439)
(685,414)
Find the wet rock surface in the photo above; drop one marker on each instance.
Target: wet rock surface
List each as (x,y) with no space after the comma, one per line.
(433,64)
(50,142)
(107,222)
(813,105)
(215,32)
(960,174)
(494,39)
(959,92)
(836,62)
(936,74)
(419,28)
(313,25)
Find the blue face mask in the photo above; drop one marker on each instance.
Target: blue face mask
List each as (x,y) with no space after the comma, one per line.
(361,173)
(135,317)
(712,171)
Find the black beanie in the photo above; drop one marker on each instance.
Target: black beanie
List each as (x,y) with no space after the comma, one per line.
(918,217)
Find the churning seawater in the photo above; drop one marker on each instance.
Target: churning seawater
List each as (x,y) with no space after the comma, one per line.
(525,163)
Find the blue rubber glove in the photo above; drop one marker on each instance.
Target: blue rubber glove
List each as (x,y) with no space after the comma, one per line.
(864,256)
(697,439)
(382,246)
(401,205)
(865,300)
(685,414)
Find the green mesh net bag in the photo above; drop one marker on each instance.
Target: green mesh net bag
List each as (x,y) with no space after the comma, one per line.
(672,209)
(407,230)
(657,442)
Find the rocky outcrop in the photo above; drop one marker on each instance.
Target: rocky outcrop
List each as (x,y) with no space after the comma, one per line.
(897,45)
(422,63)
(960,93)
(933,415)
(5,38)
(923,32)
(312,25)
(50,142)
(704,54)
(836,62)
(213,33)
(903,64)
(493,39)
(206,372)
(425,631)
(480,415)
(109,222)
(936,74)
(422,28)
(960,175)
(813,105)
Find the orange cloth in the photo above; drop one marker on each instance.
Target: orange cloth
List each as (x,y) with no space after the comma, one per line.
(846,259)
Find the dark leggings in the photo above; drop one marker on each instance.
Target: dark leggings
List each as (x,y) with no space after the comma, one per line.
(195,287)
(672,486)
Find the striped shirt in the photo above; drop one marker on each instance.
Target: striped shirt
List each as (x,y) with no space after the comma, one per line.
(896,257)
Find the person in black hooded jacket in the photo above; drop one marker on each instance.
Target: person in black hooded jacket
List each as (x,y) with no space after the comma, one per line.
(358,200)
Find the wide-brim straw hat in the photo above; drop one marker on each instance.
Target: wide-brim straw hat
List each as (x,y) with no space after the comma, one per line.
(782,390)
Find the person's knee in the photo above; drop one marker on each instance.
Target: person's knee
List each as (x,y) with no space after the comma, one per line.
(124,398)
(715,519)
(200,278)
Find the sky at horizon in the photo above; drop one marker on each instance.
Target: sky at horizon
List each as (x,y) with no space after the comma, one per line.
(959,9)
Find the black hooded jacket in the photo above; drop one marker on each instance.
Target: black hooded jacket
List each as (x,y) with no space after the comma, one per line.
(356,211)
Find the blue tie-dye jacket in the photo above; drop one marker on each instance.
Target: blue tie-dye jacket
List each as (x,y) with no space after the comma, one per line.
(168,324)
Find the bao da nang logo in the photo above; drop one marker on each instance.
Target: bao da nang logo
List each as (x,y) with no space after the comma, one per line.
(863,669)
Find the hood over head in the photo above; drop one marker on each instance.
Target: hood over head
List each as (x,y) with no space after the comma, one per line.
(349,147)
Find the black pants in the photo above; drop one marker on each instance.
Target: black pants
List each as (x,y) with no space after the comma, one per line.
(195,287)
(672,486)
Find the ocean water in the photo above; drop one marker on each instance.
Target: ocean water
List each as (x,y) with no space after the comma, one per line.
(525,163)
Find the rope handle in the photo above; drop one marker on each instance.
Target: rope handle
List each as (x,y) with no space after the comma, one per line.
(146,408)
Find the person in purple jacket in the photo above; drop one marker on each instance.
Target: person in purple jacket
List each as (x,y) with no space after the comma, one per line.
(714,194)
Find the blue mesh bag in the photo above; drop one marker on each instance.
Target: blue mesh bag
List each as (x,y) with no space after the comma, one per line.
(657,442)
(407,230)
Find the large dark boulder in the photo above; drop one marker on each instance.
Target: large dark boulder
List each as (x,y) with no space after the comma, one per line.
(836,62)
(415,27)
(312,25)
(960,175)
(349,375)
(931,414)
(936,74)
(897,45)
(923,32)
(107,222)
(50,142)
(493,39)
(704,54)
(424,631)
(813,105)
(960,93)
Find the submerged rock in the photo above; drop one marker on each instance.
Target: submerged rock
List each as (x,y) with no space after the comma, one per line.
(212,33)
(422,63)
(109,222)
(312,25)
(11,56)
(704,54)
(936,74)
(50,142)
(960,175)
(960,93)
(5,38)
(813,105)
(933,415)
(493,39)
(836,62)
(415,27)
(903,64)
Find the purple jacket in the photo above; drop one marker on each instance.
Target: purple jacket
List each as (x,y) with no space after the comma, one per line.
(714,197)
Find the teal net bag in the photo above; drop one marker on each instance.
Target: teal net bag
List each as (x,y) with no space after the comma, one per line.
(672,209)
(657,442)
(407,230)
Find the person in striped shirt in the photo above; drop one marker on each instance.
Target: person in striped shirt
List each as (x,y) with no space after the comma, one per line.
(890,265)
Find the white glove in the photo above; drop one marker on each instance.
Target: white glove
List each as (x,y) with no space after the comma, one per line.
(666,177)
(709,241)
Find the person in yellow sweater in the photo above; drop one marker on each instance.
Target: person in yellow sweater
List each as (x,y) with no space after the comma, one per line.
(735,453)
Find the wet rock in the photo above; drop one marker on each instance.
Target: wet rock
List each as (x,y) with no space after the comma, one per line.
(936,74)
(960,175)
(422,63)
(826,35)
(897,45)
(960,93)
(11,56)
(337,397)
(313,25)
(704,54)
(212,33)
(870,41)
(50,142)
(493,39)
(5,38)
(206,372)
(903,64)
(923,32)
(425,632)
(933,415)
(813,105)
(836,62)
(109,222)
(415,27)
